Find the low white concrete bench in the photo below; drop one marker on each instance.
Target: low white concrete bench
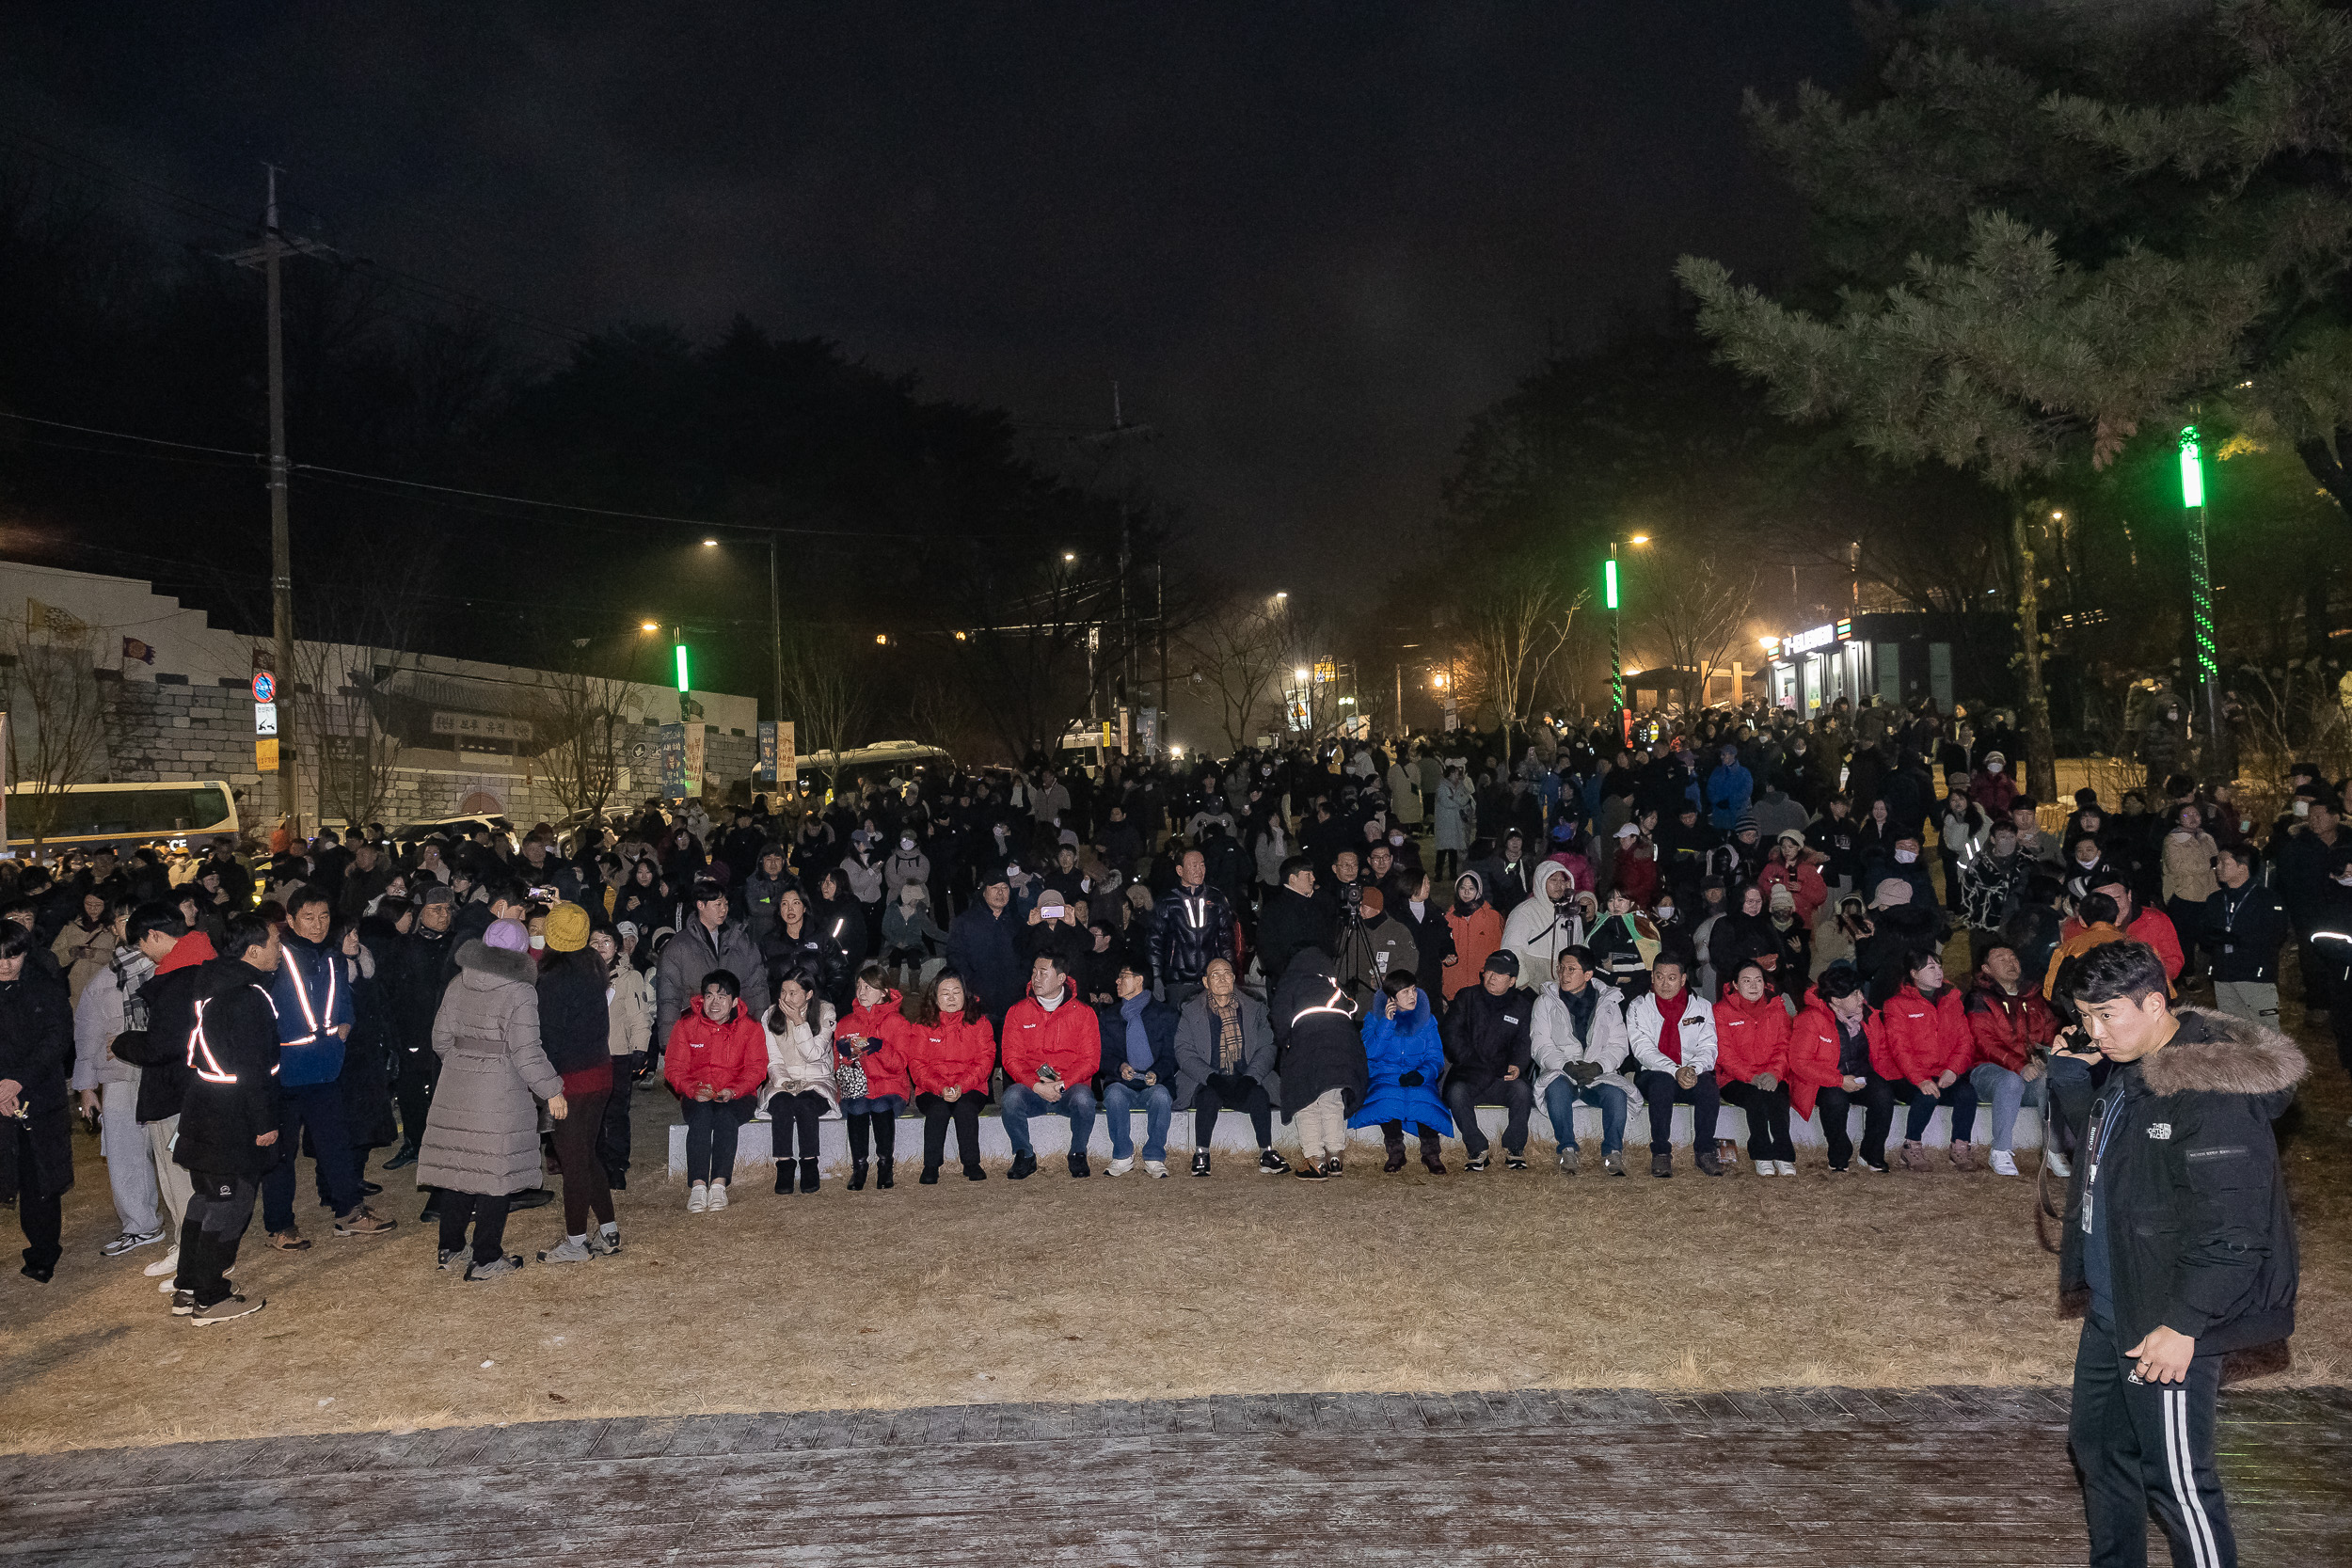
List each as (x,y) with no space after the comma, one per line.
(1050,1134)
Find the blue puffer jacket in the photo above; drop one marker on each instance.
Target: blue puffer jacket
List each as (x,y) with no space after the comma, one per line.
(312,995)
(1392,1048)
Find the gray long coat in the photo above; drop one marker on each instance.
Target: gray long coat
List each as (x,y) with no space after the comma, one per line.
(483,1133)
(1195,1048)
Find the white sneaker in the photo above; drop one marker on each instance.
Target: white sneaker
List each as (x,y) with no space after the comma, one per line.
(167,1284)
(1766,1167)
(167,1265)
(1120,1167)
(2057,1162)
(1787,1167)
(1156,1169)
(698,1199)
(718,1196)
(2002,1161)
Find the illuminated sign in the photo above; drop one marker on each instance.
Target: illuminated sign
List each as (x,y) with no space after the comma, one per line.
(1806,641)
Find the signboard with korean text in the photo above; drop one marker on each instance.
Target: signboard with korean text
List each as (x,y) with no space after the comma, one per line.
(264,719)
(481,726)
(266,754)
(777,764)
(670,760)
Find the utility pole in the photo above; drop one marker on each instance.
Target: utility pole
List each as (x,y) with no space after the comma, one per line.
(275,244)
(775,626)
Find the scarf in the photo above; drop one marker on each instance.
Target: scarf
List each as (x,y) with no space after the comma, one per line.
(1227,1015)
(132,970)
(1139,1041)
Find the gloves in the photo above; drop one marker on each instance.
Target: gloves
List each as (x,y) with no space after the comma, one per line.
(1766,1082)
(1410,1081)
(1583,1073)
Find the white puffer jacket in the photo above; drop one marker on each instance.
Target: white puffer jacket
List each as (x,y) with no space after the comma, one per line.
(801,1058)
(1553,1044)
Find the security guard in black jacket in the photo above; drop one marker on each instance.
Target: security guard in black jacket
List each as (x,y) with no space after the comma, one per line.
(2177,1225)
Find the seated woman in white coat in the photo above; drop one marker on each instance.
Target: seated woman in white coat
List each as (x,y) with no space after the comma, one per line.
(800,1086)
(1577,1038)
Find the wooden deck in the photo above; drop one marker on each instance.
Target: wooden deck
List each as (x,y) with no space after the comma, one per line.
(1813,1478)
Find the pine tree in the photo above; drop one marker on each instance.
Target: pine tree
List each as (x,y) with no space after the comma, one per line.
(2054,228)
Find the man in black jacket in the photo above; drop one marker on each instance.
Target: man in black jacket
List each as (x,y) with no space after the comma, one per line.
(1295,920)
(229,1120)
(427,958)
(1489,1053)
(1192,924)
(2244,925)
(2177,1224)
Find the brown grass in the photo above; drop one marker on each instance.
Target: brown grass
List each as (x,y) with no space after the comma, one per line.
(1126,1289)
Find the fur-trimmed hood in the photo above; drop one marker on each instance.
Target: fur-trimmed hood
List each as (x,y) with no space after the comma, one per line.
(2227,1055)
(475,954)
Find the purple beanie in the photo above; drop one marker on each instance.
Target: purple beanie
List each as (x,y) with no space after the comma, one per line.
(507,936)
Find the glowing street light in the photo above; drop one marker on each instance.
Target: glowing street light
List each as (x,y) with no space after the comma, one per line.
(648,625)
(1069,556)
(710,544)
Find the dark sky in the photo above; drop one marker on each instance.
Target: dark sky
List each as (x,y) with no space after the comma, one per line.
(1310,240)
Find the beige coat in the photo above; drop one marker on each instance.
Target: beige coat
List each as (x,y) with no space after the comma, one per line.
(800,1057)
(629,1005)
(483,1133)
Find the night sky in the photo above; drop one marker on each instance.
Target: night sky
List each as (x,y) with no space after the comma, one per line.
(1308,240)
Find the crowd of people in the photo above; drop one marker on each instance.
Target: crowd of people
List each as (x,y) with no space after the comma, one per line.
(1355,937)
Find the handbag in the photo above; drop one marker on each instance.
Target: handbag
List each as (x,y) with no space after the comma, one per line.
(848,1077)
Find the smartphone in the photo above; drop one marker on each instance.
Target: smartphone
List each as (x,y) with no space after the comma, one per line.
(1051,912)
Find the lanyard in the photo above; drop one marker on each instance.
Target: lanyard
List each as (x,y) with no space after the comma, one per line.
(2101,1131)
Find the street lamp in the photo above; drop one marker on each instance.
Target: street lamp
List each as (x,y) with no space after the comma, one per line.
(775,620)
(2201,588)
(1613,601)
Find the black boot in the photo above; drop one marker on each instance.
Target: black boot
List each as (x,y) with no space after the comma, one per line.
(808,1176)
(1429,1157)
(784,1175)
(930,1177)
(881,1176)
(1396,1152)
(857,1176)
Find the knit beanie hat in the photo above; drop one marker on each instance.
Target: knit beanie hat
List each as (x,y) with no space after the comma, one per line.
(507,936)
(568,927)
(1892,891)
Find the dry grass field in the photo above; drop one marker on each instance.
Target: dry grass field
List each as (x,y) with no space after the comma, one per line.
(1056,1289)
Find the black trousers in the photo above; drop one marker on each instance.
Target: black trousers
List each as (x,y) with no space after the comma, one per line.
(219,1208)
(1662,1094)
(38,1210)
(795,1114)
(1877,1099)
(876,1116)
(1768,1118)
(612,1128)
(1516,1095)
(488,1210)
(1223,1091)
(414,1074)
(964,1110)
(2138,1443)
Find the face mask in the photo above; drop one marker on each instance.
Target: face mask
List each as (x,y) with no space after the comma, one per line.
(1666,912)
(906,844)
(1904,857)
(538,941)
(1397,840)
(1994,767)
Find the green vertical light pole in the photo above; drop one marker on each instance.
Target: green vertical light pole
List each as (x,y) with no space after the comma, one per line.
(679,645)
(2200,591)
(1617,642)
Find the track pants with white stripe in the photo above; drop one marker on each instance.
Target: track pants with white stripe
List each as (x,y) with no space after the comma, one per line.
(2141,1444)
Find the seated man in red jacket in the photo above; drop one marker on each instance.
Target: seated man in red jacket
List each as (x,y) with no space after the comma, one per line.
(1052,1048)
(2150,926)
(2012,1028)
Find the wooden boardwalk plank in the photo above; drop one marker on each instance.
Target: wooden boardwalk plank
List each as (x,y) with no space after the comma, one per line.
(1796,1476)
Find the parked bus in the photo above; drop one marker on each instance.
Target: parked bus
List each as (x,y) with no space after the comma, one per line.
(123,815)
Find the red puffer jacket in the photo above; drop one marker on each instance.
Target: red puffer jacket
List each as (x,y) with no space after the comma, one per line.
(730,1058)
(1750,1038)
(1812,1055)
(1915,1037)
(1070,1037)
(950,1051)
(2007,1027)
(884,1026)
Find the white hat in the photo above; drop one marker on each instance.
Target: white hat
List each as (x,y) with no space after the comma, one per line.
(1630,830)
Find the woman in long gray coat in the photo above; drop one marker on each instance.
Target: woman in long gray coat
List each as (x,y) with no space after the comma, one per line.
(1451,821)
(482,1136)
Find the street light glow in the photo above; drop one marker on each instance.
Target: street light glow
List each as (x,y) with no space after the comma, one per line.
(1069,554)
(681,667)
(648,625)
(710,544)
(1281,595)
(1299,675)
(1639,539)
(1609,583)
(883,638)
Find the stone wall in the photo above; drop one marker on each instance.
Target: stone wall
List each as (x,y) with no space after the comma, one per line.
(171,728)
